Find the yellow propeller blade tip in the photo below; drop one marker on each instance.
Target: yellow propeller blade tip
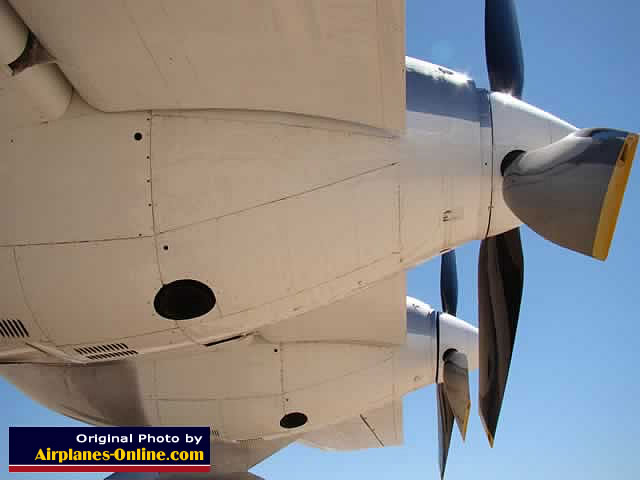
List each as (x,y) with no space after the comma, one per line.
(613,198)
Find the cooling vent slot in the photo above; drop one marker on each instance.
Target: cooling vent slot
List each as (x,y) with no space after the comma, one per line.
(107,351)
(12,328)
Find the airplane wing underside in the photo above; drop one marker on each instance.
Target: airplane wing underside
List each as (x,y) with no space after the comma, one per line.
(377,428)
(327,58)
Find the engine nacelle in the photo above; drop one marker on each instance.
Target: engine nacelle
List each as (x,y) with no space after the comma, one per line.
(430,334)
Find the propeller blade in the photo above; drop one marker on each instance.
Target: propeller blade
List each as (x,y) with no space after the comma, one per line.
(445,427)
(449,282)
(451,370)
(570,192)
(500,281)
(456,385)
(503,47)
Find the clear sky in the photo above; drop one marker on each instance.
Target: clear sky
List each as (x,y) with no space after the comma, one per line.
(571,404)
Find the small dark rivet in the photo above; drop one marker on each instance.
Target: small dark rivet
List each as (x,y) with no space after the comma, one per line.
(137,136)
(166,247)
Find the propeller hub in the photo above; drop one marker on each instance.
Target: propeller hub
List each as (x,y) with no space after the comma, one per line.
(517,126)
(458,335)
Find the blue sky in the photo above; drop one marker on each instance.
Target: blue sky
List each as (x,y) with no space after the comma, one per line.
(570,409)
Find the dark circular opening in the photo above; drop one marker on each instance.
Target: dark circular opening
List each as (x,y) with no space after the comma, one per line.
(137,136)
(509,159)
(293,420)
(446,354)
(184,300)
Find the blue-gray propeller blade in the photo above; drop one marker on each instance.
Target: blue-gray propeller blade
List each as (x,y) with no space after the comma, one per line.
(500,282)
(445,427)
(500,263)
(452,394)
(455,378)
(449,282)
(503,47)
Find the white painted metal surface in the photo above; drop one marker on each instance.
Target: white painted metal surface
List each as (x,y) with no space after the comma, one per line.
(45,89)
(82,178)
(279,214)
(381,427)
(443,203)
(91,292)
(517,126)
(36,94)
(243,388)
(140,55)
(13,34)
(374,315)
(212,164)
(14,306)
(273,251)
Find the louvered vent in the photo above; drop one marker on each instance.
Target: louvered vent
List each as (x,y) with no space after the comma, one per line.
(252,443)
(13,328)
(108,351)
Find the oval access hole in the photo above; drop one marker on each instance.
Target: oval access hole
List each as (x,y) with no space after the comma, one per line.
(293,420)
(184,300)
